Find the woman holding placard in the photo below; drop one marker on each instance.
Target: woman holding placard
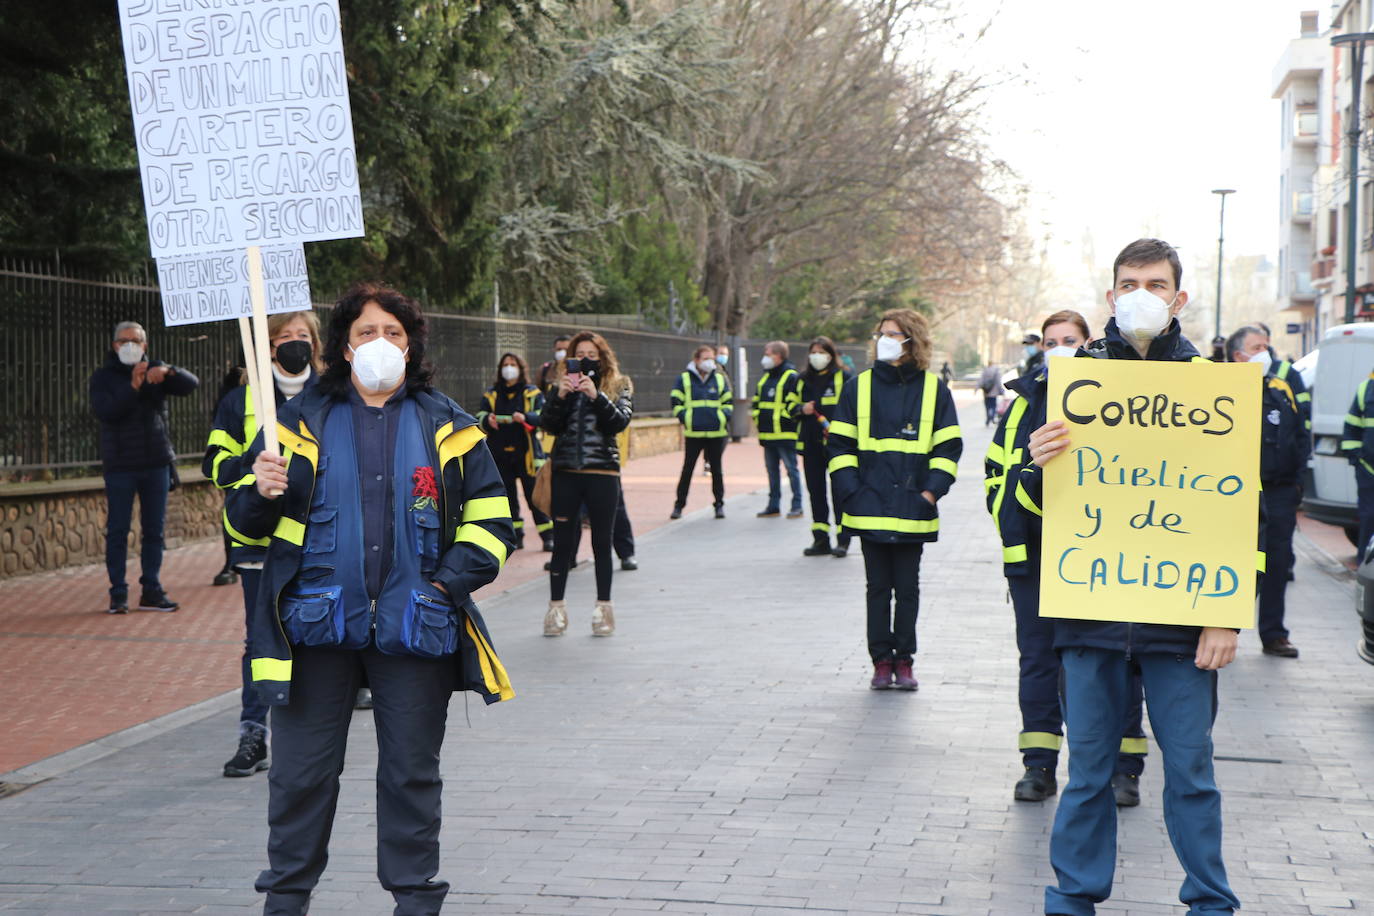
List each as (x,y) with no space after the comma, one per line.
(1042,726)
(894,450)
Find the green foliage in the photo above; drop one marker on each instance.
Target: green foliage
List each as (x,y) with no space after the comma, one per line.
(68,169)
(646,261)
(803,304)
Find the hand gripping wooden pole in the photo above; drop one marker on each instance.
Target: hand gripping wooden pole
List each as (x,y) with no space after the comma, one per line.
(267,406)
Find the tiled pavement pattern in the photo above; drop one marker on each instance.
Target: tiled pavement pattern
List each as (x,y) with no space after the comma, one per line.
(73,674)
(721,755)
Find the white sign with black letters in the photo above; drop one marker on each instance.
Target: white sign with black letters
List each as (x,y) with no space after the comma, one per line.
(214,286)
(242,121)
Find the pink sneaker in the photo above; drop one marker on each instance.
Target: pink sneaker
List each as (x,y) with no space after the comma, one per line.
(905,680)
(882,676)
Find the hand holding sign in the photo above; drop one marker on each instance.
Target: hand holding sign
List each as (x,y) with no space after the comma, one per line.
(1048,442)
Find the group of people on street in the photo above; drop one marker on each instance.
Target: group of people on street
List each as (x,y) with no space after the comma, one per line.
(360,541)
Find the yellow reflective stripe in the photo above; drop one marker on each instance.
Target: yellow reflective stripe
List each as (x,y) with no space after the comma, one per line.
(839,462)
(483,508)
(901,525)
(220,457)
(946,465)
(944,435)
(994,454)
(1048,741)
(271,669)
(1135,746)
(493,672)
(927,413)
(291,531)
(221,438)
(544,527)
(841,428)
(481,537)
(1348,444)
(820,526)
(1353,420)
(1305,396)
(237,535)
(1259,560)
(1024,499)
(764,437)
(1015,554)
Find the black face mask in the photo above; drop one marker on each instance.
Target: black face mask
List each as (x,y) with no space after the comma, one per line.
(294,356)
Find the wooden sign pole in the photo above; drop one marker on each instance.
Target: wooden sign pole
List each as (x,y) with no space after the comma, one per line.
(250,364)
(267,406)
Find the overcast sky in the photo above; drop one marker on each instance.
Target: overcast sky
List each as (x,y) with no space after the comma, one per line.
(1126,116)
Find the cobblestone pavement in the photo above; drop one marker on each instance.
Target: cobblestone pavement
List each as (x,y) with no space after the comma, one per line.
(721,755)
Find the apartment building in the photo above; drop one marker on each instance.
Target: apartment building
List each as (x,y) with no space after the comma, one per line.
(1312,80)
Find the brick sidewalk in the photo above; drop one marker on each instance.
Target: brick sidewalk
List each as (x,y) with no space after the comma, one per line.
(74,673)
(722,756)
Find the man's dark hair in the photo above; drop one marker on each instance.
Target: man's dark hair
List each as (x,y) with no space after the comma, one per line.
(1237,339)
(1148,251)
(563,337)
(419,372)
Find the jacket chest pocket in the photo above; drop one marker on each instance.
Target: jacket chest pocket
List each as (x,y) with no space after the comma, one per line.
(426,528)
(322,534)
(429,628)
(313,617)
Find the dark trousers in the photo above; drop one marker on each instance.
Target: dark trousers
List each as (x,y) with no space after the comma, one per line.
(410,699)
(713,449)
(1281,519)
(784,451)
(251,709)
(893,571)
(814,468)
(151,487)
(599,494)
(1364,482)
(1183,705)
(990,408)
(514,477)
(622,535)
(1042,718)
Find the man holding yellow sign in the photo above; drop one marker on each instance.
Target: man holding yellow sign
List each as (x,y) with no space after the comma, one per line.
(1149,550)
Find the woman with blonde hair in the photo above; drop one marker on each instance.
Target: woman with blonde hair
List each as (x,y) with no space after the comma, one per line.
(589,403)
(295,343)
(894,450)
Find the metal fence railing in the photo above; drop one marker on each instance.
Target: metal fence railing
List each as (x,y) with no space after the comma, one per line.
(60,327)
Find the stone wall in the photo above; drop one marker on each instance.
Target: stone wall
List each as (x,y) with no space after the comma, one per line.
(50,525)
(61,523)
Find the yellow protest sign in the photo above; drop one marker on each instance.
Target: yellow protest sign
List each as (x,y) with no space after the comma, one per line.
(1152,514)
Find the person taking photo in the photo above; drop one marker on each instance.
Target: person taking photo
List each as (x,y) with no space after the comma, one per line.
(591,403)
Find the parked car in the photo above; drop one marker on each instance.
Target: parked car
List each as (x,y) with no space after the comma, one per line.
(1343,358)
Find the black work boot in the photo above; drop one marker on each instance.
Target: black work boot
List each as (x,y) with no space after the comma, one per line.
(1037,784)
(820,548)
(1126,788)
(252,755)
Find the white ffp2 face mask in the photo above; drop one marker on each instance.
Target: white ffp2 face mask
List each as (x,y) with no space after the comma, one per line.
(130,353)
(707,366)
(1264,359)
(889,349)
(510,373)
(379,364)
(1060,351)
(767,363)
(1142,315)
(558,355)
(818,360)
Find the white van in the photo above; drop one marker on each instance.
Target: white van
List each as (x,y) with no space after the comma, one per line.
(1343,359)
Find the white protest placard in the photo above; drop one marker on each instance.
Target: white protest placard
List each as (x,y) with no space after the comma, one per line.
(242,121)
(214,286)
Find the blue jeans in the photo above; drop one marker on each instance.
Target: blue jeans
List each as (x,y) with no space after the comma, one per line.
(253,709)
(786,451)
(120,487)
(1182,701)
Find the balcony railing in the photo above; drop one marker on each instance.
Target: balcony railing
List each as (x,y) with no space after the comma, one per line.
(1323,268)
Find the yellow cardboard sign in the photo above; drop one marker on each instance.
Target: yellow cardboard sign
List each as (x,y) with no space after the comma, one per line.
(1152,514)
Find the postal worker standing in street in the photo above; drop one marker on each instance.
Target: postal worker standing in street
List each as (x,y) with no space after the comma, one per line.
(385,513)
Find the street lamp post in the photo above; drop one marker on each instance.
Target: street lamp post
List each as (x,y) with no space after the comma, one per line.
(1356,41)
(1221,235)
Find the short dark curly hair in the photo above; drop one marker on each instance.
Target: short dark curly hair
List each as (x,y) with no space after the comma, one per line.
(419,372)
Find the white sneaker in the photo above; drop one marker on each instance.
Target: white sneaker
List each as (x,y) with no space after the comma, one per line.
(556,620)
(603,619)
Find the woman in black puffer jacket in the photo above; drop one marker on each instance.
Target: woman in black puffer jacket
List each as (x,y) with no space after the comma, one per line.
(589,404)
